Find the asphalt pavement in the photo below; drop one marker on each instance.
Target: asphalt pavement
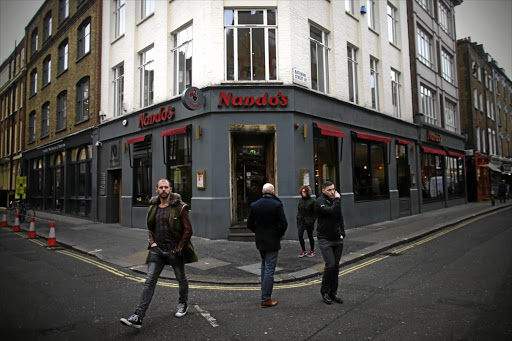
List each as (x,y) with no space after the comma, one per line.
(234,262)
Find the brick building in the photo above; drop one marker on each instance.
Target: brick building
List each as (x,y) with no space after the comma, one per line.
(12,119)
(63,49)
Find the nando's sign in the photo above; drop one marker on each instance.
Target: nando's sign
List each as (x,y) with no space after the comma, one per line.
(146,120)
(431,136)
(266,99)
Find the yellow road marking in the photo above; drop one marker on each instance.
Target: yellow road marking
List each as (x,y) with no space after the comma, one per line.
(343,272)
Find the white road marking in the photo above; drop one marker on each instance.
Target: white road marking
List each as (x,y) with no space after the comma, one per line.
(211,320)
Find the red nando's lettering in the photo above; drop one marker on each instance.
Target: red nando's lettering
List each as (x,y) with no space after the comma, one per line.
(248,101)
(163,115)
(433,137)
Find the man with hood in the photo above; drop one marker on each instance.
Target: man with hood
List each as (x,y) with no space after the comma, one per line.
(306,220)
(169,244)
(268,222)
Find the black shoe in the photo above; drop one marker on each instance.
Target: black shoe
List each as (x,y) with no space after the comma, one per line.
(336,299)
(326,298)
(182,310)
(134,321)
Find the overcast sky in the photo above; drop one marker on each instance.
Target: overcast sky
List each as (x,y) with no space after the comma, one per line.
(488,22)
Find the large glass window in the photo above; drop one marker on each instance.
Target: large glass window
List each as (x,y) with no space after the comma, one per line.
(424,47)
(182,60)
(84,38)
(62,110)
(371,15)
(352,74)
(395,93)
(450,116)
(147,74)
(47,26)
(45,119)
(455,179)
(32,127)
(47,70)
(447,66)
(370,170)
(374,82)
(63,56)
(63,10)
(445,18)
(428,105)
(147,8)
(82,100)
(326,159)
(120,18)
(142,179)
(80,175)
(179,156)
(35,186)
(432,177)
(392,24)
(251,44)
(34,42)
(118,90)
(319,59)
(33,82)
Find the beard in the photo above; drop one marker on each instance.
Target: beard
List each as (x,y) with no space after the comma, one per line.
(163,195)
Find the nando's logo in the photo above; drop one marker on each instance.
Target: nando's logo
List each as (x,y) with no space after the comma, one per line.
(249,101)
(146,120)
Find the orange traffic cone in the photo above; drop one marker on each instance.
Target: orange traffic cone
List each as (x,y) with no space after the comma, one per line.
(32,229)
(16,227)
(4,219)
(52,241)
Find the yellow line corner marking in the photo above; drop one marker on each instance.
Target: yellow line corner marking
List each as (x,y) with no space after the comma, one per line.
(305,283)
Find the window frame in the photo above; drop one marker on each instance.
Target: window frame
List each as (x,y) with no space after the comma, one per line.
(33,82)
(322,76)
(119,18)
(32,127)
(424,46)
(118,89)
(428,105)
(392,12)
(271,68)
(395,93)
(374,82)
(372,15)
(445,18)
(45,120)
(432,166)
(185,47)
(368,160)
(62,109)
(353,93)
(47,70)
(83,102)
(179,156)
(84,38)
(328,147)
(450,116)
(63,10)
(63,56)
(447,69)
(47,26)
(34,42)
(142,172)
(147,66)
(147,7)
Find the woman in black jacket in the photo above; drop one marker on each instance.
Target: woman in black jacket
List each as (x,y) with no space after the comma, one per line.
(306,220)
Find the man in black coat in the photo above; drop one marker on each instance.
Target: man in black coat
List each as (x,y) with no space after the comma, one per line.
(330,234)
(268,222)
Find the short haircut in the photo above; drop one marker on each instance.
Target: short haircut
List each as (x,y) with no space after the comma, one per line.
(168,182)
(327,184)
(267,188)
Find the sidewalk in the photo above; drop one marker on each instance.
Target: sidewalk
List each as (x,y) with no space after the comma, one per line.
(229,262)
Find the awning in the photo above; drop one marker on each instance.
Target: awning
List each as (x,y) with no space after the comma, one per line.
(175,131)
(456,154)
(136,139)
(433,151)
(373,137)
(403,142)
(493,167)
(330,130)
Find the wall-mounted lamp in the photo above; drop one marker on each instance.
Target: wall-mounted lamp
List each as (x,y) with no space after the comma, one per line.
(305,130)
(103,116)
(98,143)
(199,132)
(363,10)
(125,122)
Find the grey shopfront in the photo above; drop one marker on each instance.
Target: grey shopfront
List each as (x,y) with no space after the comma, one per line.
(218,154)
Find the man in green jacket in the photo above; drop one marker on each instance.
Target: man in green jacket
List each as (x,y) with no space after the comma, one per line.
(169,243)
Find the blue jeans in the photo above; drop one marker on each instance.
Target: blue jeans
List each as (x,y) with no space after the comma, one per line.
(158,258)
(331,253)
(268,267)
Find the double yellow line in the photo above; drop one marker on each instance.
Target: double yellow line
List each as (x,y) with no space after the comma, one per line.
(343,272)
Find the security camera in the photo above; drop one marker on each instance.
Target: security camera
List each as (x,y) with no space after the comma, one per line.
(98,143)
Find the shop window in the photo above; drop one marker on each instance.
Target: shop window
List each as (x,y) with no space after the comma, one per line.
(251,44)
(179,163)
(455,180)
(432,182)
(35,194)
(327,160)
(80,183)
(370,169)
(182,60)
(142,170)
